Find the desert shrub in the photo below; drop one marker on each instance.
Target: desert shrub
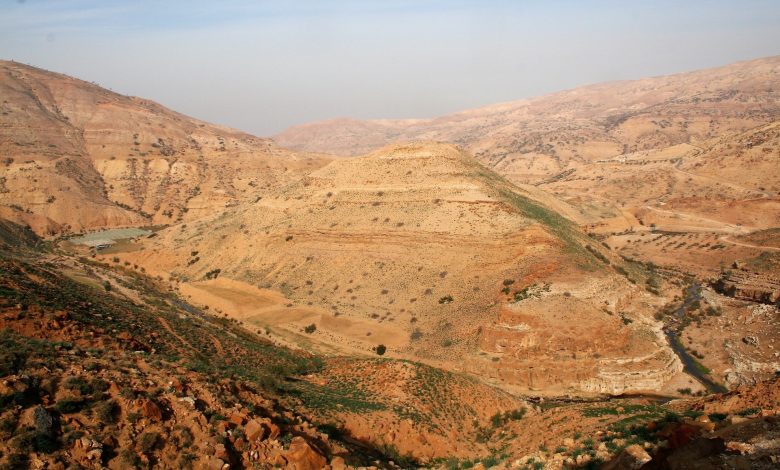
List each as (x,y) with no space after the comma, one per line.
(130,458)
(446,299)
(186,459)
(184,437)
(148,441)
(8,425)
(213,274)
(309,329)
(106,411)
(30,440)
(715,417)
(77,383)
(381,349)
(15,462)
(69,405)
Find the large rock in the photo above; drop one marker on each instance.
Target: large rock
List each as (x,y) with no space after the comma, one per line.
(43,421)
(302,457)
(254,430)
(631,458)
(214,463)
(338,463)
(151,411)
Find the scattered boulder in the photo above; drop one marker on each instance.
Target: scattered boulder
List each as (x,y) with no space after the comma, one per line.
(254,430)
(301,456)
(750,340)
(631,458)
(215,463)
(151,411)
(220,451)
(43,421)
(237,418)
(338,463)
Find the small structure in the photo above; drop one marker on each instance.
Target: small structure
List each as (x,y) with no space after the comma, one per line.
(99,244)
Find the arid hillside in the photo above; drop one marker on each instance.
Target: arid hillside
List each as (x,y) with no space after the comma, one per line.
(695,152)
(532,139)
(421,249)
(76,156)
(103,367)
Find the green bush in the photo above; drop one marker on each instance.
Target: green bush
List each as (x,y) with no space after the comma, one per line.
(106,411)
(69,405)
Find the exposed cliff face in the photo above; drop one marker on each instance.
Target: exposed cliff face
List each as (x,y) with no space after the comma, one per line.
(743,284)
(555,342)
(76,156)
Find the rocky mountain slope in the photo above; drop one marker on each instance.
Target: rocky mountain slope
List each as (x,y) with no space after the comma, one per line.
(76,156)
(421,249)
(103,367)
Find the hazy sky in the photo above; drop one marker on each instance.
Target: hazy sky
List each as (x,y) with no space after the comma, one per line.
(262,66)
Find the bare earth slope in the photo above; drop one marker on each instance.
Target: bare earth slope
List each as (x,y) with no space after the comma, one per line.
(420,248)
(76,156)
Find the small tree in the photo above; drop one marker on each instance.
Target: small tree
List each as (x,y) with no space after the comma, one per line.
(310,328)
(381,349)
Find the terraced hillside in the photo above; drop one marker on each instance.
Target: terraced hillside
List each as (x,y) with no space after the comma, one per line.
(692,151)
(418,248)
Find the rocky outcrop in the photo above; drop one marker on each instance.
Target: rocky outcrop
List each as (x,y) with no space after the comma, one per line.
(559,342)
(650,373)
(632,457)
(743,284)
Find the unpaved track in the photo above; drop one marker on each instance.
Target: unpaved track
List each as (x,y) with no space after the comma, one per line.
(726,239)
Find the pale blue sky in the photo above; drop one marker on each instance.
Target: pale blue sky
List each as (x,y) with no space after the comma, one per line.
(262,66)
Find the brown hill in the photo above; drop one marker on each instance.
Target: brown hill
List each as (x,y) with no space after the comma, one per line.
(420,248)
(529,140)
(130,377)
(76,156)
(695,151)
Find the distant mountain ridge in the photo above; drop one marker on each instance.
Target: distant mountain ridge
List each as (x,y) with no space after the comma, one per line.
(535,138)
